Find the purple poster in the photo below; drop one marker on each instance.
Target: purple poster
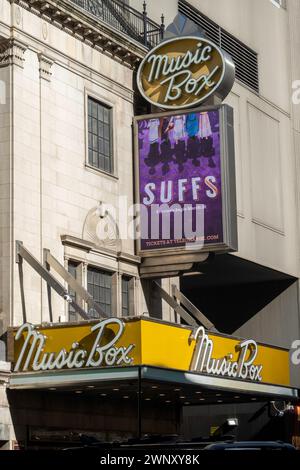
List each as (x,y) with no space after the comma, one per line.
(180,175)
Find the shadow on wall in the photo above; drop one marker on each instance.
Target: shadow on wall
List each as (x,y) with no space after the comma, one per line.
(255,422)
(232,290)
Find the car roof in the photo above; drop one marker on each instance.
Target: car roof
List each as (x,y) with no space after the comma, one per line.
(249,445)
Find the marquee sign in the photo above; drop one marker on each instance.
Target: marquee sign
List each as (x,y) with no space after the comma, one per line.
(244,367)
(102,352)
(184,72)
(123,343)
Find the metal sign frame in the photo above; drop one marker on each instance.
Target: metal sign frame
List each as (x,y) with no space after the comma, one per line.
(221,89)
(189,349)
(228,185)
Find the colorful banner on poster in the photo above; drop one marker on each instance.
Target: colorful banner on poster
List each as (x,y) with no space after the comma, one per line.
(180,182)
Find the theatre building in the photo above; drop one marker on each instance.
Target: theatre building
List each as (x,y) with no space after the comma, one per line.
(101,338)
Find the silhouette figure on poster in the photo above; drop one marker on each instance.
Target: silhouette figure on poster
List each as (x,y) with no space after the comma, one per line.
(177,139)
(178,123)
(143,128)
(166,148)
(193,143)
(206,139)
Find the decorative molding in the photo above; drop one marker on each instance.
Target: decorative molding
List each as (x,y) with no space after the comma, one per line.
(45,67)
(130,259)
(83,26)
(18,15)
(101,229)
(88,247)
(45,30)
(83,245)
(83,70)
(12,52)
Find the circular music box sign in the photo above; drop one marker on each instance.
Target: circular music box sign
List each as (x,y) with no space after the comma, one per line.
(184,72)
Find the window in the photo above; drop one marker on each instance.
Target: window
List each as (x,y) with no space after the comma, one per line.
(100,288)
(100,136)
(125,296)
(112,290)
(245,59)
(153,299)
(72,268)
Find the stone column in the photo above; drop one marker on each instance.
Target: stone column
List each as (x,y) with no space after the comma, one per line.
(12,57)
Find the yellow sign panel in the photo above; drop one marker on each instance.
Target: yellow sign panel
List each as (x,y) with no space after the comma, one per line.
(184,72)
(114,343)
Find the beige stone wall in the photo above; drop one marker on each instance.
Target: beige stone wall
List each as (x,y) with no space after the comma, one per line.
(51,189)
(277,323)
(43,166)
(266,183)
(54,190)
(265,159)
(47,190)
(264,28)
(5,197)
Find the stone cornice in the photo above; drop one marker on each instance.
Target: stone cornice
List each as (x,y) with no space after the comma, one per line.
(12,52)
(87,246)
(45,67)
(64,60)
(103,37)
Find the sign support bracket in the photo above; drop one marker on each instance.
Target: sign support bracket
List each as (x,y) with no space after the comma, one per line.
(71,281)
(190,314)
(23,254)
(189,319)
(200,317)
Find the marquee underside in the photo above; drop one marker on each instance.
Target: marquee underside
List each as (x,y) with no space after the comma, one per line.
(177,386)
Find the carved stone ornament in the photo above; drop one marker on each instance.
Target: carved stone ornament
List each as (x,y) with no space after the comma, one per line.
(45,67)
(101,229)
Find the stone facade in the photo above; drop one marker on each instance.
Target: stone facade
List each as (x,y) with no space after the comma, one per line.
(52,58)
(47,182)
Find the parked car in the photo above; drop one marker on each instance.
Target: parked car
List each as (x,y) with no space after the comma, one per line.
(251,445)
(168,442)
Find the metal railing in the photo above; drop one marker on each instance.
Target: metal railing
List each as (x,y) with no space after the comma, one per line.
(125,19)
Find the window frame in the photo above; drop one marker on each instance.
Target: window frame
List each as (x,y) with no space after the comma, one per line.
(112,107)
(71,293)
(112,287)
(131,293)
(83,266)
(80,279)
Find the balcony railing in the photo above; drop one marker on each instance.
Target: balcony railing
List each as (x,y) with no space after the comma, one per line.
(125,19)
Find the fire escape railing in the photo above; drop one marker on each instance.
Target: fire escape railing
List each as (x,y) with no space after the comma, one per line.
(125,19)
